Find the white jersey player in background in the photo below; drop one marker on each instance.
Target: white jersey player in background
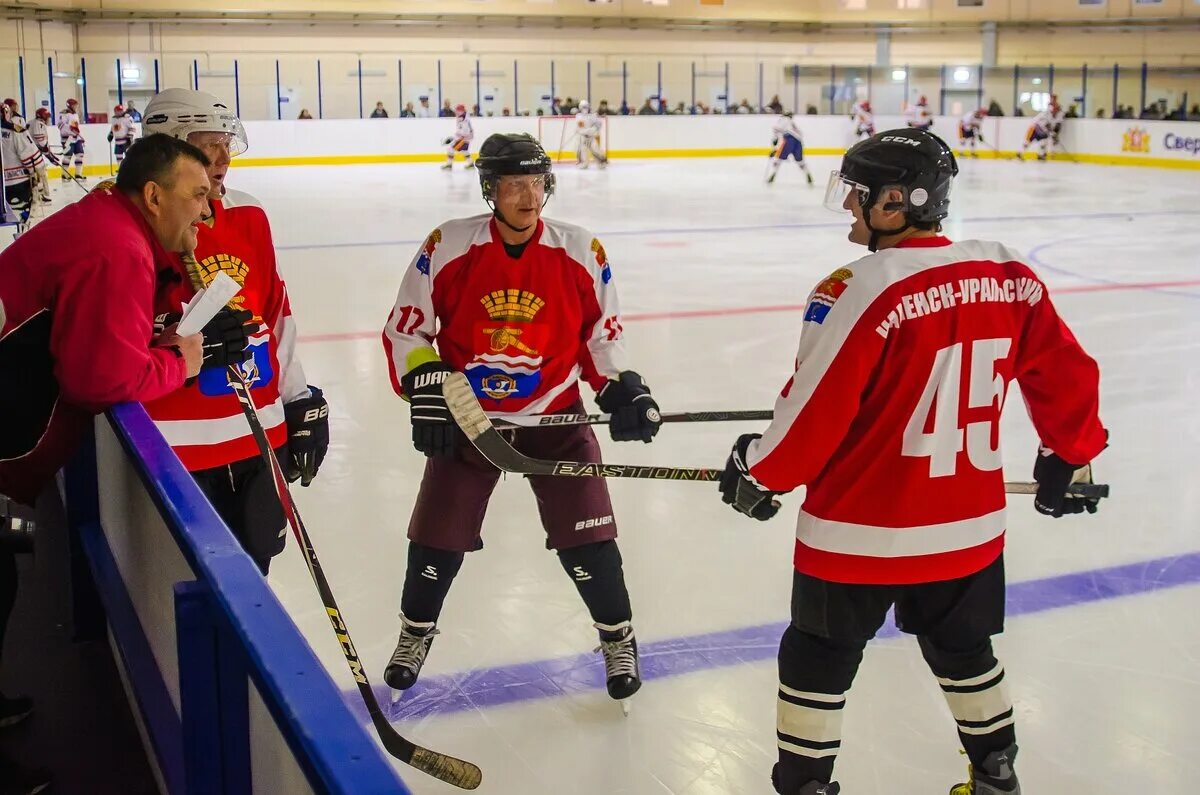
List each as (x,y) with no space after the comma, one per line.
(919,116)
(461,140)
(589,143)
(122,133)
(39,133)
(970,130)
(10,111)
(788,142)
(72,140)
(1043,131)
(863,120)
(21,160)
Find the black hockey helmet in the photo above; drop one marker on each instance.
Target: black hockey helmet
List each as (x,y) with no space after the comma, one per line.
(511,154)
(917,162)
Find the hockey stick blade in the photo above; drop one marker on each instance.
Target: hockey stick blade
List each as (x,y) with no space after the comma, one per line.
(470,416)
(555,420)
(442,767)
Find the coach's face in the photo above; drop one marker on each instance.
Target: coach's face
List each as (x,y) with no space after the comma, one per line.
(177,205)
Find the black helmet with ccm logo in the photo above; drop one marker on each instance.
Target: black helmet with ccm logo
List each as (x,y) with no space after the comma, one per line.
(916,161)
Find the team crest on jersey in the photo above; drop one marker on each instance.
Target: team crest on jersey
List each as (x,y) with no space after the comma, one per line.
(257,372)
(425,258)
(602,261)
(826,295)
(508,346)
(207,269)
(104,186)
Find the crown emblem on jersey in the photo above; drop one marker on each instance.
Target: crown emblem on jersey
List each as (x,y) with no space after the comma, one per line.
(1137,139)
(519,305)
(208,268)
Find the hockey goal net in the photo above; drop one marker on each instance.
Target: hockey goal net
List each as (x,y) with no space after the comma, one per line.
(559,136)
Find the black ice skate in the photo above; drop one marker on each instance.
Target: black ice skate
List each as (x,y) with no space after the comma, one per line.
(622,674)
(405,666)
(814,788)
(994,777)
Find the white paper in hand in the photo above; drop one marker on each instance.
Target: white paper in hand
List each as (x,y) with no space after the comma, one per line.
(207,303)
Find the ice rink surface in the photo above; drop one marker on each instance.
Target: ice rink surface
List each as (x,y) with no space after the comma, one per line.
(713,266)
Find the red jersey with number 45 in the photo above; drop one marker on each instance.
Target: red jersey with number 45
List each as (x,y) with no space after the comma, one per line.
(524,330)
(892,417)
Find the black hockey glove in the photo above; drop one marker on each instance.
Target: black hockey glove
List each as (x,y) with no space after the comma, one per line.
(447,142)
(1054,476)
(225,337)
(740,490)
(308,436)
(634,412)
(433,430)
(110,137)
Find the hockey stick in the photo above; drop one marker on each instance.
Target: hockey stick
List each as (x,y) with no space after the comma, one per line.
(465,408)
(54,160)
(554,420)
(445,768)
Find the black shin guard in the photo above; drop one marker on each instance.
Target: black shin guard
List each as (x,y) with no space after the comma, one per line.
(596,571)
(430,574)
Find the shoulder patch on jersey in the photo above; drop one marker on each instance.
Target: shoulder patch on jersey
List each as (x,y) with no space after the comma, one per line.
(826,295)
(425,258)
(104,186)
(602,261)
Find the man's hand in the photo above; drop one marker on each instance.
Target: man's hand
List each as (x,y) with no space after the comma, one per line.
(191,348)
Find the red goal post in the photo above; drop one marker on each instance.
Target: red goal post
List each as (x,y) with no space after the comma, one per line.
(559,136)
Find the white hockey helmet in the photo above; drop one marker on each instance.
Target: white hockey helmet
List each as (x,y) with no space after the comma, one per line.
(584,105)
(179,112)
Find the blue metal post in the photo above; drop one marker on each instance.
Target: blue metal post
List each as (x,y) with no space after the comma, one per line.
(1116,79)
(478,90)
(760,86)
(1016,88)
(155,75)
(120,93)
(624,84)
(400,82)
(907,80)
(516,104)
(661,110)
(360,105)
(83,74)
(942,91)
(1083,104)
(439,107)
(320,95)
(832,89)
(1051,80)
(868,82)
(196,73)
(21,81)
(278,93)
(589,82)
(237,90)
(692,109)
(50,77)
(1145,75)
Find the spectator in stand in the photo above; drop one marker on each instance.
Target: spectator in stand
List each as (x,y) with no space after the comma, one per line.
(424,110)
(680,110)
(1072,112)
(811,110)
(1194,113)
(1150,113)
(775,106)
(994,109)
(1100,113)
(304,114)
(133,113)
(744,107)
(662,106)
(446,112)
(624,108)
(540,112)
(475,110)
(506,112)
(408,112)
(646,109)
(380,111)
(604,109)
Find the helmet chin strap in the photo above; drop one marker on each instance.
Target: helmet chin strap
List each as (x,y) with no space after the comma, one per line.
(500,217)
(876,234)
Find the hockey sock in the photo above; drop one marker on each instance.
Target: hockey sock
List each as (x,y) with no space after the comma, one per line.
(596,571)
(78,167)
(973,684)
(427,581)
(774,168)
(814,675)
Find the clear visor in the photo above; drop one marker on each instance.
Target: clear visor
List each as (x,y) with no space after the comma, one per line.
(535,183)
(184,126)
(840,189)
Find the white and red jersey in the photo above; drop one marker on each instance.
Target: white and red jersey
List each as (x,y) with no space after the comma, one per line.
(970,122)
(204,422)
(589,123)
(524,331)
(19,156)
(918,116)
(1043,122)
(39,131)
(123,130)
(786,125)
(463,131)
(864,120)
(68,127)
(892,416)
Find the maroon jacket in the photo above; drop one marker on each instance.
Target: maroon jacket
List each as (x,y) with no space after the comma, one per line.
(76,316)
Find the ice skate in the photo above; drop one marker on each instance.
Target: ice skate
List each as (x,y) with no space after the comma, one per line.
(622,674)
(994,777)
(447,166)
(405,666)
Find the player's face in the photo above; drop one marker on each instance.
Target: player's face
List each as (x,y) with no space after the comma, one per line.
(859,233)
(175,211)
(519,198)
(216,146)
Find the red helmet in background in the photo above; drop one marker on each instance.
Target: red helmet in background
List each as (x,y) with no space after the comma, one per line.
(118,110)
(460,109)
(924,100)
(72,102)
(866,105)
(42,113)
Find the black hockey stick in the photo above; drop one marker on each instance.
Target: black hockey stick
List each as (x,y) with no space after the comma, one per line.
(470,416)
(46,153)
(445,768)
(553,420)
